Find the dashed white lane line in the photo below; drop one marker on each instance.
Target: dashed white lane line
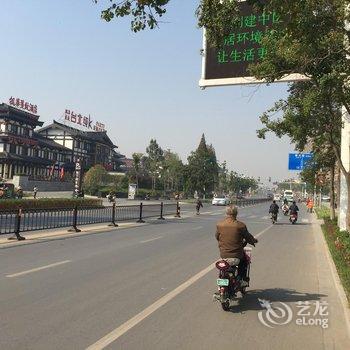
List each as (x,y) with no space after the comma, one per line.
(151,239)
(38,269)
(305,221)
(197,228)
(132,322)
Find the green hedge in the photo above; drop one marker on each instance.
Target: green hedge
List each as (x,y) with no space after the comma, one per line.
(339,246)
(322,212)
(45,203)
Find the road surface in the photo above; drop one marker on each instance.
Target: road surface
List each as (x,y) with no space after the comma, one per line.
(151,287)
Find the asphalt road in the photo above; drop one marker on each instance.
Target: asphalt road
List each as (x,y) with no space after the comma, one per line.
(151,287)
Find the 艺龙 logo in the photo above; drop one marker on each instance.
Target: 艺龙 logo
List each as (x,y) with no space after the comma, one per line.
(274,315)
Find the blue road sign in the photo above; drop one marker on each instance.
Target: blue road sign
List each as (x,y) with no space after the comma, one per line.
(298,161)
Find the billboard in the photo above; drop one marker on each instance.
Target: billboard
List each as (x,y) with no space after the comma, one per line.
(228,65)
(298,161)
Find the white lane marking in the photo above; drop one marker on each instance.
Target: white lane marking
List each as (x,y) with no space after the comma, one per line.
(132,322)
(151,239)
(197,228)
(305,221)
(251,217)
(38,269)
(265,217)
(216,214)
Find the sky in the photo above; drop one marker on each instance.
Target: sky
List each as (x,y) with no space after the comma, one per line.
(61,55)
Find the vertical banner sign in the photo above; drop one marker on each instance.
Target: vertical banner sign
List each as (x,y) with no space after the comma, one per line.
(78,173)
(228,65)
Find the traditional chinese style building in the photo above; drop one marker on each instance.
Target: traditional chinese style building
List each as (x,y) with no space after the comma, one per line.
(91,147)
(22,150)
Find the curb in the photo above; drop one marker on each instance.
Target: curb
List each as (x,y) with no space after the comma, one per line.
(335,277)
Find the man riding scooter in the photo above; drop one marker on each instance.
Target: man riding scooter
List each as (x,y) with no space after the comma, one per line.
(232,235)
(274,208)
(293,210)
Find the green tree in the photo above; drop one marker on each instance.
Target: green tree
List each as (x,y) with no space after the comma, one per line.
(94,178)
(217,16)
(173,171)
(202,169)
(138,168)
(154,161)
(311,120)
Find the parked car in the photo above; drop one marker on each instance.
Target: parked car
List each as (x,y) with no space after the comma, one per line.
(326,199)
(220,201)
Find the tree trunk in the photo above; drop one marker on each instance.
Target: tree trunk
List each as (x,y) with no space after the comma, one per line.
(332,211)
(348,209)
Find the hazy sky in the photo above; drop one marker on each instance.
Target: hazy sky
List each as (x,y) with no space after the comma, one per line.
(60,54)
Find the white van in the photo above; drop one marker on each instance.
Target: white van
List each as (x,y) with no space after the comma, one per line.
(288,194)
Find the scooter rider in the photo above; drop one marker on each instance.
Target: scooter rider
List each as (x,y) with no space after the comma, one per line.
(293,209)
(274,208)
(232,236)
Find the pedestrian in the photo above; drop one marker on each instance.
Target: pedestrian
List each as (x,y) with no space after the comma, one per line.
(199,205)
(310,206)
(19,192)
(35,192)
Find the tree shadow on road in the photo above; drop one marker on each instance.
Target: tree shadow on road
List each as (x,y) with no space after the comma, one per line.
(274,295)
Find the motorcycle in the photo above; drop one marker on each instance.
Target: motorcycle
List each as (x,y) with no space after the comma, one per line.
(229,283)
(293,218)
(111,198)
(285,210)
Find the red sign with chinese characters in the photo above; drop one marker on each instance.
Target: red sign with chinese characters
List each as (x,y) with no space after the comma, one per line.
(81,120)
(19,103)
(21,140)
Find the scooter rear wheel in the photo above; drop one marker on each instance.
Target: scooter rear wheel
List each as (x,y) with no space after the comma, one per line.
(225,305)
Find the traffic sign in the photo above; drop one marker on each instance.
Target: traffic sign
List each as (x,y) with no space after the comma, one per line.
(298,161)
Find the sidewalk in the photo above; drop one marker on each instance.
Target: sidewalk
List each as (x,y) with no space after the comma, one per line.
(330,285)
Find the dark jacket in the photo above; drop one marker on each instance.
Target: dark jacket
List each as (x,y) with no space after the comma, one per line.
(199,204)
(230,234)
(293,209)
(274,208)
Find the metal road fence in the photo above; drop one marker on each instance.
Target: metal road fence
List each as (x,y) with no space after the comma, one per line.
(24,220)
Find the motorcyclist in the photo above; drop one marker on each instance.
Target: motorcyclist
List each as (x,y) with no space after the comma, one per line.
(285,209)
(274,208)
(232,236)
(293,209)
(110,197)
(285,201)
(199,205)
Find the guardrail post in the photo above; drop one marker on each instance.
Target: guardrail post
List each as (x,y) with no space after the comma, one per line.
(74,227)
(18,227)
(161,211)
(177,215)
(113,223)
(140,218)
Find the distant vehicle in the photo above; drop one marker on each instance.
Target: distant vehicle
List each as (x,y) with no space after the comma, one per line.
(277,197)
(240,196)
(269,195)
(326,199)
(220,201)
(288,195)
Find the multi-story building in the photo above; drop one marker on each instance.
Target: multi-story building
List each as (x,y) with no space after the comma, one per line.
(91,147)
(50,151)
(22,150)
